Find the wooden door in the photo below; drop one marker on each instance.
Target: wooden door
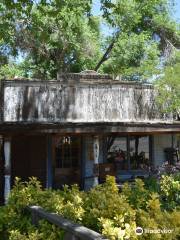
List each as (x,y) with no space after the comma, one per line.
(67,160)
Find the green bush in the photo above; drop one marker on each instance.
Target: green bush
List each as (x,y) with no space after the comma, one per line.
(16,221)
(108,212)
(152,184)
(170,191)
(104,209)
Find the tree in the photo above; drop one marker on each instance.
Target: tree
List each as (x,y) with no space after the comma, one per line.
(55,36)
(13,70)
(63,36)
(143,32)
(168,86)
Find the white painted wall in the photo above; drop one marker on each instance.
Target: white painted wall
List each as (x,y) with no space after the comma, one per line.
(89,161)
(161,142)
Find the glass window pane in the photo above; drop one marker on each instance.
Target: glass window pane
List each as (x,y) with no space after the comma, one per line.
(117,152)
(139,152)
(67,152)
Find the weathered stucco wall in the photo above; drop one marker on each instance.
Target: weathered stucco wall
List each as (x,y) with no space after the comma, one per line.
(55,101)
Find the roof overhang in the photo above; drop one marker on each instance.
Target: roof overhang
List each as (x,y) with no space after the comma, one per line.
(94,128)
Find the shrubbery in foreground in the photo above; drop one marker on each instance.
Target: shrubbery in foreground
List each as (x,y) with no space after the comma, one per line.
(104,209)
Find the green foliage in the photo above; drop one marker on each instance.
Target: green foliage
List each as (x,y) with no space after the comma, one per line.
(10,71)
(57,36)
(168,86)
(64,36)
(104,209)
(134,55)
(142,30)
(140,195)
(170,192)
(16,222)
(151,184)
(152,214)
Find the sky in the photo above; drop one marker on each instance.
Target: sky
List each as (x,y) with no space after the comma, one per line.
(177,13)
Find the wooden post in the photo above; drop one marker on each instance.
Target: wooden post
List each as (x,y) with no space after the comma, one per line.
(128,152)
(96,160)
(83,161)
(151,151)
(35,218)
(70,236)
(49,168)
(1,171)
(172,140)
(7,168)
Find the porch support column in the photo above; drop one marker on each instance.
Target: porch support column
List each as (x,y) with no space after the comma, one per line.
(83,162)
(96,160)
(128,152)
(7,168)
(1,171)
(49,168)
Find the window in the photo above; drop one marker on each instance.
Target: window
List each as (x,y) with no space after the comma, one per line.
(67,152)
(139,152)
(117,152)
(128,152)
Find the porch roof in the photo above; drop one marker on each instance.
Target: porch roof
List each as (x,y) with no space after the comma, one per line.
(94,128)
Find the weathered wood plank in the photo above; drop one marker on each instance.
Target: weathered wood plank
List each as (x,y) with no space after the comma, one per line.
(70,236)
(75,229)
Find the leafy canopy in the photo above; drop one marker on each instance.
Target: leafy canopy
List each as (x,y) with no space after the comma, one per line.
(168,86)
(143,31)
(64,36)
(55,36)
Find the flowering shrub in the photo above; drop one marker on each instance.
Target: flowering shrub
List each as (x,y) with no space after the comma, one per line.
(104,209)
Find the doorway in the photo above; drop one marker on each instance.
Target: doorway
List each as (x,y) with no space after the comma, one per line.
(28,157)
(67,160)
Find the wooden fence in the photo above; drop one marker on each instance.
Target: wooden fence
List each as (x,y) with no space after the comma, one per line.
(72,230)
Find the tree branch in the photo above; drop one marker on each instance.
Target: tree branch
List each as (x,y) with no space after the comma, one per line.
(105,56)
(108,50)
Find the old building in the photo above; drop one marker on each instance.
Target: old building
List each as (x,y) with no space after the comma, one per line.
(79,128)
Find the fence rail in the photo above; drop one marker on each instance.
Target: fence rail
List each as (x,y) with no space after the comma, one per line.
(73,231)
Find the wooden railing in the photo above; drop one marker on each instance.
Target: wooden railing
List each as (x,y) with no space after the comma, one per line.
(73,231)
